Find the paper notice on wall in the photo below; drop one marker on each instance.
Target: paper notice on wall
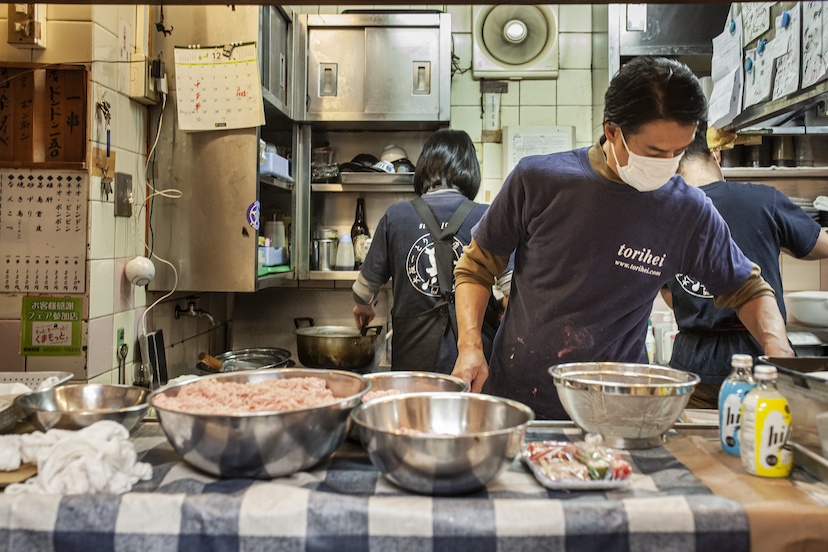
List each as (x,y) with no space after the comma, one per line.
(756,18)
(786,79)
(523,141)
(759,80)
(726,70)
(218,87)
(814,45)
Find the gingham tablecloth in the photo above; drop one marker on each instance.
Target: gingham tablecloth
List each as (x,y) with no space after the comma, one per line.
(345,505)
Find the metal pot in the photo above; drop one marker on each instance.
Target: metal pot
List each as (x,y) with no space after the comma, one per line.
(335,347)
(247,359)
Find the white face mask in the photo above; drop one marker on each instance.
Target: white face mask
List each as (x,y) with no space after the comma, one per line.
(646,174)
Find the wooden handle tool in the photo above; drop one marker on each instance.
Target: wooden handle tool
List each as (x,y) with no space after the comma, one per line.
(212,362)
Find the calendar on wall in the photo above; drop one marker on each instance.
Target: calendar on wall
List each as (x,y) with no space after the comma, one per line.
(218,87)
(43,222)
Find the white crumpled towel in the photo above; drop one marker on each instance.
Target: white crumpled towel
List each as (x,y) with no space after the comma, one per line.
(821,203)
(96,459)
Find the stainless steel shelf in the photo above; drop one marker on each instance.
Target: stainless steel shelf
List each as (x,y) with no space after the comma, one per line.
(275,181)
(758,113)
(392,188)
(775,172)
(273,280)
(350,275)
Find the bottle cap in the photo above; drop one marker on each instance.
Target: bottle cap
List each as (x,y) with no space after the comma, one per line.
(763,371)
(741,361)
(345,238)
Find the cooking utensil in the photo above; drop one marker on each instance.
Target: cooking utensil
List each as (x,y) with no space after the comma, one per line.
(410,382)
(263,444)
(338,347)
(482,436)
(244,359)
(78,406)
(211,362)
(630,405)
(808,307)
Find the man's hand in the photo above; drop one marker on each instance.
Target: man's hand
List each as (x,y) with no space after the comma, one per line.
(363,314)
(471,367)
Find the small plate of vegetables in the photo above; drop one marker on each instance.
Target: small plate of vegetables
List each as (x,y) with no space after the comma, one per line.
(588,465)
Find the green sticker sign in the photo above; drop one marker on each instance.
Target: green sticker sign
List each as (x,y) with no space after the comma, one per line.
(52,326)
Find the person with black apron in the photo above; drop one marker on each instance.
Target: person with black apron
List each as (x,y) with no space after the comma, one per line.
(417,244)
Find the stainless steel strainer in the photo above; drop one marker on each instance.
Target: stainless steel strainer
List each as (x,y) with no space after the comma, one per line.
(630,405)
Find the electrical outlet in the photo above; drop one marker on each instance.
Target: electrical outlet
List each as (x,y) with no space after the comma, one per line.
(141,83)
(123,195)
(27,23)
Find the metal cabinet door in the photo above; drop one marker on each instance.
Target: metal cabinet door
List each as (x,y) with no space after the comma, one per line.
(336,72)
(402,72)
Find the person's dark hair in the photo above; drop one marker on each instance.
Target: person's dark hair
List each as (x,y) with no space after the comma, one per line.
(648,89)
(448,159)
(698,147)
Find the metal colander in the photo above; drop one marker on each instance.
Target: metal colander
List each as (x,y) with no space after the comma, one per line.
(630,405)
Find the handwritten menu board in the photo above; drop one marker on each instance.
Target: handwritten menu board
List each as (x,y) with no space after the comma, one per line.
(216,91)
(43,225)
(59,125)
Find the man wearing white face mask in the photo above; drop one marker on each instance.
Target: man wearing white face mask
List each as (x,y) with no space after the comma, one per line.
(596,233)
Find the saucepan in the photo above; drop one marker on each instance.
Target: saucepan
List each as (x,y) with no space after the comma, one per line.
(335,347)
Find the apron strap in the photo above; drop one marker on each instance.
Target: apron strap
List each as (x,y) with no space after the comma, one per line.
(443,240)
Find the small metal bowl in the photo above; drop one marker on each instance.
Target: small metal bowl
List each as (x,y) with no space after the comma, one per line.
(630,405)
(410,382)
(469,439)
(262,444)
(78,406)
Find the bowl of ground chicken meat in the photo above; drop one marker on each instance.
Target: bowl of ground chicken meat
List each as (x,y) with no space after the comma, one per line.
(261,423)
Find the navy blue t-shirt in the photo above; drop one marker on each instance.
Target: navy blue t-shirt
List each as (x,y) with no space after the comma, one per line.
(590,257)
(762,220)
(402,249)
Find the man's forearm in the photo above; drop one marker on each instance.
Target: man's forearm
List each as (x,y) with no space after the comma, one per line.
(763,320)
(470,304)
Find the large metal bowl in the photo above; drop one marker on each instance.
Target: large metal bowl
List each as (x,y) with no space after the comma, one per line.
(484,435)
(410,382)
(262,444)
(630,405)
(78,406)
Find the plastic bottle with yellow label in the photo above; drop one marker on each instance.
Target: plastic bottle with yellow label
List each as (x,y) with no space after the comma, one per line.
(765,435)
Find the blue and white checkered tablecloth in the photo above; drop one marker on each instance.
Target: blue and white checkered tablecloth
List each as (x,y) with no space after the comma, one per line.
(345,505)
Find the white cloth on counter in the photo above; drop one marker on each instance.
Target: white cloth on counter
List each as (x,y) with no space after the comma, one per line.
(96,459)
(821,203)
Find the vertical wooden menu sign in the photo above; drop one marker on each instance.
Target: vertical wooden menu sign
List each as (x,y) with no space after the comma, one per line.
(56,114)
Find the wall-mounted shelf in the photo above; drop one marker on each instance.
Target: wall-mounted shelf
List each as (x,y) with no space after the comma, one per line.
(334,275)
(775,172)
(276,181)
(791,103)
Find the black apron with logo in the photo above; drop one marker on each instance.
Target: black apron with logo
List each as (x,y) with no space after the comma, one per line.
(417,338)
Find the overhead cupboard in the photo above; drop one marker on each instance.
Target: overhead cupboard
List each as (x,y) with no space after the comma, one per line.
(392,79)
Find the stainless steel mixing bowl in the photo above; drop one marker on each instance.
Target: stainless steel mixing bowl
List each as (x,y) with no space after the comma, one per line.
(630,405)
(262,444)
(480,437)
(410,382)
(78,406)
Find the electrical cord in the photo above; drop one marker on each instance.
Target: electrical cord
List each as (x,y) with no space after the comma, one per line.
(170,193)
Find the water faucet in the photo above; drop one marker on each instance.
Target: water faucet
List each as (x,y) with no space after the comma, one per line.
(191,310)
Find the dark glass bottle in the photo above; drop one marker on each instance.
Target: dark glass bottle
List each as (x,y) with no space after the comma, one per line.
(360,235)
